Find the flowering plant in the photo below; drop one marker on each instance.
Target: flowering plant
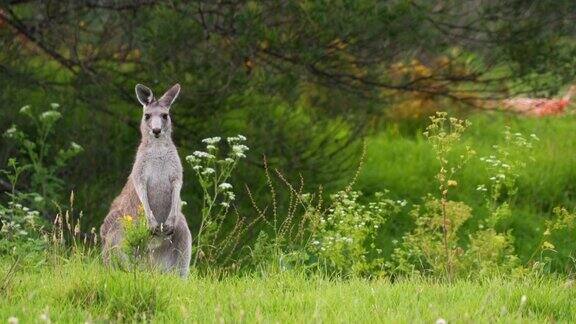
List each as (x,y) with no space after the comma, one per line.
(344,240)
(213,169)
(39,157)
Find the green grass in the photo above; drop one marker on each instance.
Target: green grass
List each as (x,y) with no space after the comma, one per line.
(76,291)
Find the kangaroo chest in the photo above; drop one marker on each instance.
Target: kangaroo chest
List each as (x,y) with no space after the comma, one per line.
(160,167)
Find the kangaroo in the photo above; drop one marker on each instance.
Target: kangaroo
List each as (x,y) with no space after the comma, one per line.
(154,185)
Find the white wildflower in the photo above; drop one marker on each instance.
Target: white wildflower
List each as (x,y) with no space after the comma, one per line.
(50,116)
(238,138)
(239,148)
(11,131)
(441,321)
(25,109)
(76,147)
(54,105)
(13,320)
(225,186)
(211,140)
(202,154)
(208,171)
(191,159)
(225,204)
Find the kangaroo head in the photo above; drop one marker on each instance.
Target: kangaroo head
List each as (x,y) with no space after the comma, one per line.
(156,122)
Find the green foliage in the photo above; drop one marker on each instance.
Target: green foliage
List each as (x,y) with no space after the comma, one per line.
(136,244)
(24,232)
(406,165)
(555,247)
(344,240)
(505,169)
(21,226)
(42,161)
(438,244)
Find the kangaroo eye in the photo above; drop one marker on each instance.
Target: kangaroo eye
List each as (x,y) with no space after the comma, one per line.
(147,116)
(165,116)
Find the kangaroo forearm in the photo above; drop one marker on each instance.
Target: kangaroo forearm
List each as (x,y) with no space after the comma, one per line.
(142,193)
(176,202)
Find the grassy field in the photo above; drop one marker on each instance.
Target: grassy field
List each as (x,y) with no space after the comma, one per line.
(77,291)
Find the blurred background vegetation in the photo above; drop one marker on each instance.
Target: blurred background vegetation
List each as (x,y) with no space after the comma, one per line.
(307,82)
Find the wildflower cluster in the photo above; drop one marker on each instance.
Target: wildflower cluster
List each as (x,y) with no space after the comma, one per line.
(21,229)
(213,169)
(346,234)
(504,167)
(443,133)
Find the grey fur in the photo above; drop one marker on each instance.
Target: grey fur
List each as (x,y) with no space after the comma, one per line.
(154,183)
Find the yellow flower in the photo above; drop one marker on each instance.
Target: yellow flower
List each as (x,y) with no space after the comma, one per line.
(452,183)
(548,246)
(127,218)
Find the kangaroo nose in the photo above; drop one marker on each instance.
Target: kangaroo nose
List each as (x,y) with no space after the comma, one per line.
(156,131)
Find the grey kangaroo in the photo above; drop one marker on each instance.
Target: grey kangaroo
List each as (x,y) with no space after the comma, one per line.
(154,185)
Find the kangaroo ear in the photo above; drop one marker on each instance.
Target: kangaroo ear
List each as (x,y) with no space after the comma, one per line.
(170,95)
(144,94)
